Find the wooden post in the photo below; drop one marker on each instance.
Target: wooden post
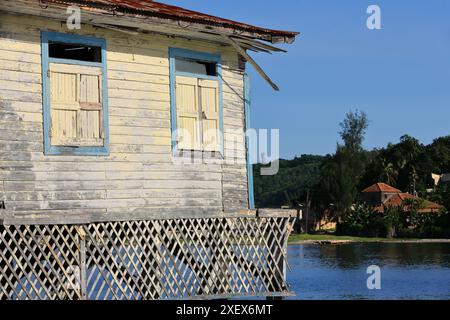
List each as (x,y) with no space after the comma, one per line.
(277,251)
(307,211)
(83,279)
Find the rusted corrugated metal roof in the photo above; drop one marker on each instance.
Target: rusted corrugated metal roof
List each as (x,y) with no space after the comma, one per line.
(153,8)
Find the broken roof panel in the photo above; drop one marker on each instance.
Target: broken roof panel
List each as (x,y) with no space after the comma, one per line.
(162,10)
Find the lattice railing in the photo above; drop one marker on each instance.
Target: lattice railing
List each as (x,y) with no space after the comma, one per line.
(154,259)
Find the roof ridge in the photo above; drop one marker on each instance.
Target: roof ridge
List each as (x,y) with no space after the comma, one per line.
(381,187)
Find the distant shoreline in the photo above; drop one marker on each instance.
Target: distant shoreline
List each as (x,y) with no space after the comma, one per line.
(337,240)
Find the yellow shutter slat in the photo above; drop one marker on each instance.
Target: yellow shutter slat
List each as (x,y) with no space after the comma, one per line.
(209,102)
(64,104)
(187,113)
(63,88)
(64,126)
(89,122)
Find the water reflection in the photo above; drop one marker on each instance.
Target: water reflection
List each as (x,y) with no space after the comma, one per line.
(409,271)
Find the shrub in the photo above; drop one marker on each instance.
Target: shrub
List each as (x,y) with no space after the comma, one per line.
(394,220)
(362,221)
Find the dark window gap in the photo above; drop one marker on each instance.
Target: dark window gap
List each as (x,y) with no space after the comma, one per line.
(75,52)
(196,67)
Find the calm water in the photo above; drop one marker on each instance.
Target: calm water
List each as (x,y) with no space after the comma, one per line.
(408,271)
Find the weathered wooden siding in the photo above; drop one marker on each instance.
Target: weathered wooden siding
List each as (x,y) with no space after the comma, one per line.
(139,176)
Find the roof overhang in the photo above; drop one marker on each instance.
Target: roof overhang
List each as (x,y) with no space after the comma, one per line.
(136,16)
(152,11)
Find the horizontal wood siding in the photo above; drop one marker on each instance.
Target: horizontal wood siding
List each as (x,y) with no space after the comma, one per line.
(140,175)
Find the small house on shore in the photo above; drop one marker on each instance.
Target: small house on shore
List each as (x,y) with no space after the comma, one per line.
(381,196)
(123,152)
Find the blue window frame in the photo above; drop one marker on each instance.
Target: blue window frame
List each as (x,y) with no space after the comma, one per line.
(183,54)
(54,37)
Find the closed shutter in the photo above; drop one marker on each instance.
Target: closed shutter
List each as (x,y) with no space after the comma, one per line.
(209,102)
(188,113)
(76,105)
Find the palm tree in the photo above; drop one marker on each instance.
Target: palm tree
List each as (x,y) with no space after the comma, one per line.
(389,174)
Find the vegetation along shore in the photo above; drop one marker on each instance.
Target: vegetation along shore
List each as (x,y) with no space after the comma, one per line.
(400,191)
(332,239)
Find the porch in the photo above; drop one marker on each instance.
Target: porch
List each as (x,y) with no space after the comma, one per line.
(232,255)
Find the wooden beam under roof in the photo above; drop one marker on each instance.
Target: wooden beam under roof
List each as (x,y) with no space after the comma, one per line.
(258,44)
(247,57)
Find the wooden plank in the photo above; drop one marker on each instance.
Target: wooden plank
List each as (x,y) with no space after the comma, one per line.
(19,116)
(269,213)
(252,62)
(138,86)
(18,76)
(20,106)
(115,75)
(20,56)
(20,66)
(54,195)
(83,216)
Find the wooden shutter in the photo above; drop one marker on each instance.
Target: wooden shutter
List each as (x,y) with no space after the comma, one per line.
(209,102)
(188,113)
(76,105)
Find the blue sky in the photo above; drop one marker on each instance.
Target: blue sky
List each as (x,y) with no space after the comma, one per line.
(400,75)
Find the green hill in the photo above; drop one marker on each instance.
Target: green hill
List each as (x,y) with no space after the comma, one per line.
(288,187)
(406,165)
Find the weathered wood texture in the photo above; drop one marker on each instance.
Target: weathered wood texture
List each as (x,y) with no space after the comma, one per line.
(140,176)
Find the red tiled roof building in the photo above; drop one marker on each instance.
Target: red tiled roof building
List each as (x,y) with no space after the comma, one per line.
(382,196)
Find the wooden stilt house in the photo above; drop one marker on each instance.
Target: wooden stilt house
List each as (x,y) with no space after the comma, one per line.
(124,169)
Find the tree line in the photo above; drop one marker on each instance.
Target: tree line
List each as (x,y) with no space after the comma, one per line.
(337,179)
